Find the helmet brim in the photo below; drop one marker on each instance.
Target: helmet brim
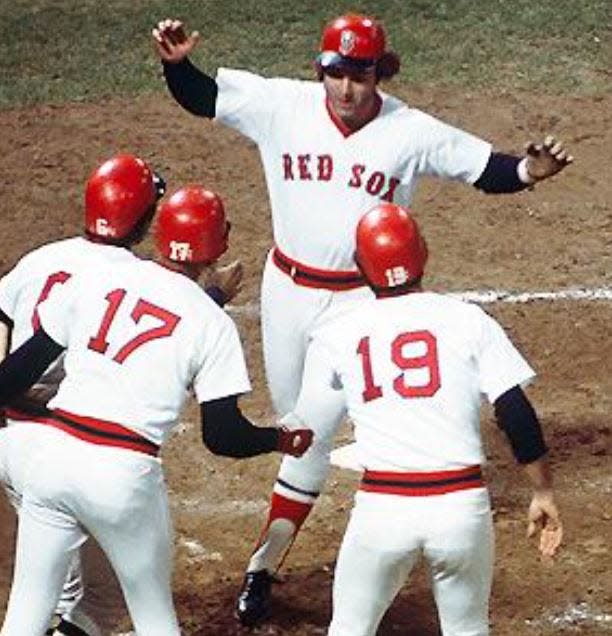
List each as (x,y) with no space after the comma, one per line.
(334,60)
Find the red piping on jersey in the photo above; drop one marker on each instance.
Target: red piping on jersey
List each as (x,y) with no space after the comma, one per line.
(91,429)
(341,126)
(335,280)
(422,484)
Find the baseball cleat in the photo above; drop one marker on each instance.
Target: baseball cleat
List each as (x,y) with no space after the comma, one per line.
(253,603)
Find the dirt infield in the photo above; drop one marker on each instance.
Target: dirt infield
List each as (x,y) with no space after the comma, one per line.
(557,236)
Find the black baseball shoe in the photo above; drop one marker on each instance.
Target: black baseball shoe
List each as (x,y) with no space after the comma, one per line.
(64,628)
(253,604)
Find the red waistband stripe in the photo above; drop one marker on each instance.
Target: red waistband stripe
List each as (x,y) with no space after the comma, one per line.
(96,431)
(89,429)
(335,280)
(422,484)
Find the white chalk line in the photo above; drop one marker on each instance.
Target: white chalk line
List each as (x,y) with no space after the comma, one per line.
(489,296)
(573,617)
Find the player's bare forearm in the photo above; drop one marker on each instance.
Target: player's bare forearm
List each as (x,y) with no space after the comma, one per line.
(539,474)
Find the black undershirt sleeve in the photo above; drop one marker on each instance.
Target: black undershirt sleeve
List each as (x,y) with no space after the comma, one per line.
(500,175)
(517,418)
(195,91)
(225,431)
(20,370)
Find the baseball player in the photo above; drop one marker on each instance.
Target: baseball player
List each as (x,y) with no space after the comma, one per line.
(330,149)
(135,340)
(410,366)
(120,198)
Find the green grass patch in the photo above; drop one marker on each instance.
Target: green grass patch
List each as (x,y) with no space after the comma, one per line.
(64,50)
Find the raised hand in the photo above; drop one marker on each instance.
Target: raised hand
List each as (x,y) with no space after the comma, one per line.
(171,42)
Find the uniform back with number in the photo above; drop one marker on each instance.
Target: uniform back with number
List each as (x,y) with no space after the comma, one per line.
(136,338)
(413,369)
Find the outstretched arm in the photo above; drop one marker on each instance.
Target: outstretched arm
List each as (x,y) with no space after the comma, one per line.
(226,431)
(518,419)
(507,173)
(195,91)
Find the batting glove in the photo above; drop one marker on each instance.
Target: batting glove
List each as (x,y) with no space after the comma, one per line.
(294,442)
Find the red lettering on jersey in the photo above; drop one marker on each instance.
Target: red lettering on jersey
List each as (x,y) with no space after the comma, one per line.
(388,195)
(145,308)
(98,342)
(325,167)
(357,171)
(375,183)
(303,161)
(288,167)
(370,391)
(58,278)
(142,308)
(428,361)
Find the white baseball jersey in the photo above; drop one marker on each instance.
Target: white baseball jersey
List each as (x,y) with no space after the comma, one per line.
(136,340)
(39,274)
(320,178)
(413,369)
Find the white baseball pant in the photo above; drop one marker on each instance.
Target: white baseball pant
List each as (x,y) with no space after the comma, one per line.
(91,597)
(385,537)
(289,313)
(71,489)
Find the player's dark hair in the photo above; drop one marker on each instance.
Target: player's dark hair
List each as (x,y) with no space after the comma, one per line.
(388,66)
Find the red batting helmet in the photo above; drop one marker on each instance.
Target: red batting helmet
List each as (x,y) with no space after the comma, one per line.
(356,43)
(390,250)
(191,226)
(118,194)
